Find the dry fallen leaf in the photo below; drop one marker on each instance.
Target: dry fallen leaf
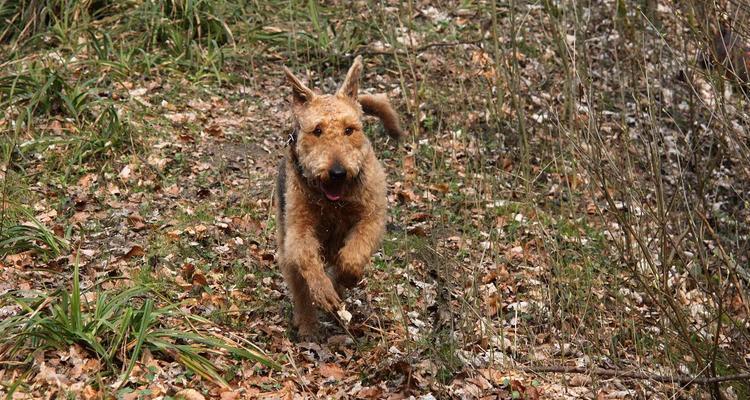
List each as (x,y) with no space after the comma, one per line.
(181,118)
(417,230)
(80,217)
(89,393)
(189,394)
(136,222)
(56,127)
(407,196)
(187,271)
(215,130)
(440,187)
(230,395)
(345,316)
(125,172)
(20,260)
(135,251)
(580,380)
(331,371)
(199,279)
(419,217)
(135,395)
(370,392)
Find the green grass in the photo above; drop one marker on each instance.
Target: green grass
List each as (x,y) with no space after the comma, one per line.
(31,236)
(68,73)
(116,328)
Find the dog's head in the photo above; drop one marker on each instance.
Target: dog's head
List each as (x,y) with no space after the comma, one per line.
(331,146)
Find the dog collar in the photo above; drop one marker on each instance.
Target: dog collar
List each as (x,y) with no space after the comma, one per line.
(290,142)
(292,139)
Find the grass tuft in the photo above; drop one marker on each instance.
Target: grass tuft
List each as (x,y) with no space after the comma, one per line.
(31,236)
(116,327)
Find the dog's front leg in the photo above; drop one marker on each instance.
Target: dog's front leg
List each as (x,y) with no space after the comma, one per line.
(359,245)
(301,252)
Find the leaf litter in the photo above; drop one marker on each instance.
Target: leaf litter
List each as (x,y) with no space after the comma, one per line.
(449,313)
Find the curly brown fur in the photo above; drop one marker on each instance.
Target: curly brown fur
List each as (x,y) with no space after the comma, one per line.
(331,202)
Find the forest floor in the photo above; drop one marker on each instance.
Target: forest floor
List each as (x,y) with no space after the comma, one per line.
(139,144)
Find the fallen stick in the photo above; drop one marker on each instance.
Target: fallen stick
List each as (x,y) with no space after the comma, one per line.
(420,49)
(683,380)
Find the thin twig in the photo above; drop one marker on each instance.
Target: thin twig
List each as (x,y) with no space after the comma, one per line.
(418,49)
(300,379)
(680,379)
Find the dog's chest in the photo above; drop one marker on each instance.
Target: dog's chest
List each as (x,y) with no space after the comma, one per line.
(335,224)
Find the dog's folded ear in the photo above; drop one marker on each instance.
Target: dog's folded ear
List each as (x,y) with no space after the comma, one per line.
(350,87)
(300,93)
(378,105)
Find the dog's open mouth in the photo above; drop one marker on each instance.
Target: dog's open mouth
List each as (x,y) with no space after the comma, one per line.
(332,190)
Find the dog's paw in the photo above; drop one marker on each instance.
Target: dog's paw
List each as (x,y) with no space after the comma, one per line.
(347,278)
(323,293)
(308,333)
(350,269)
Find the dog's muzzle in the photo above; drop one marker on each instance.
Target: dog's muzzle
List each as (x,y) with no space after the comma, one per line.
(333,187)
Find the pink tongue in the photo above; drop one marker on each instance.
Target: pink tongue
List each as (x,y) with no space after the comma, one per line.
(332,197)
(333,193)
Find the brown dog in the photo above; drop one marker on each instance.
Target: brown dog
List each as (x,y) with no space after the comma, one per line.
(331,195)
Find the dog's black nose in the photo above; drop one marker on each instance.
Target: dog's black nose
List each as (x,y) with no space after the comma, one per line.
(337,172)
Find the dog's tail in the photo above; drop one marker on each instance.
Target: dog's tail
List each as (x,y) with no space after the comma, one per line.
(378,105)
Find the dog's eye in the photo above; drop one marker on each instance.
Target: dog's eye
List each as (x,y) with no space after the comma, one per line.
(317,131)
(348,131)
